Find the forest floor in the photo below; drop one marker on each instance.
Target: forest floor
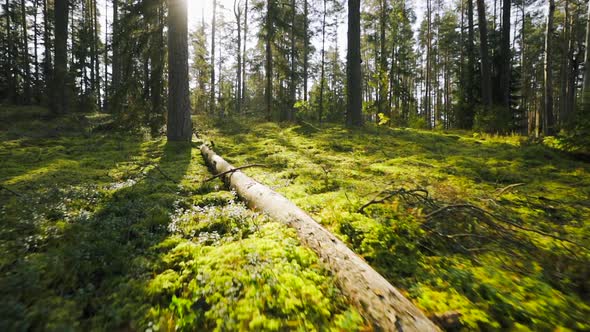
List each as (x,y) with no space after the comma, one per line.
(113,231)
(509,251)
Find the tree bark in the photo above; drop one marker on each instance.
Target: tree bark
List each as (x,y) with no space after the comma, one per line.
(179,126)
(486,80)
(105,105)
(572,73)
(505,55)
(382,74)
(36,47)
(10,57)
(564,70)
(212,92)
(586,86)
(548,121)
(269,35)
(427,106)
(290,109)
(470,72)
(60,94)
(524,88)
(244,54)
(322,66)
(305,47)
(26,60)
(385,307)
(156,65)
(116,61)
(353,66)
(238,15)
(95,54)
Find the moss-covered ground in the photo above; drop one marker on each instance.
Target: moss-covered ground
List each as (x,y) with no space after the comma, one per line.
(116,231)
(517,270)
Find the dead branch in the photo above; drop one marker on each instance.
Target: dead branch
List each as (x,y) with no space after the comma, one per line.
(11,191)
(488,214)
(311,125)
(165,175)
(501,191)
(418,194)
(501,225)
(382,304)
(234,170)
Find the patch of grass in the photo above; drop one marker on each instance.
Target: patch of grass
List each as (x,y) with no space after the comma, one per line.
(113,231)
(539,283)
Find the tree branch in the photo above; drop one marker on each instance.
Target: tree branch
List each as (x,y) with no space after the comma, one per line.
(234,170)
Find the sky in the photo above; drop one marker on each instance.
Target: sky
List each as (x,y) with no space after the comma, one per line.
(199,8)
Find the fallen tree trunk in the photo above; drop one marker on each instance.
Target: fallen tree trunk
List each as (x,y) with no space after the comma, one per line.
(381,303)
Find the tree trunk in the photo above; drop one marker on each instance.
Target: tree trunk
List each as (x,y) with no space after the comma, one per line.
(290,109)
(305,47)
(269,61)
(47,63)
(524,82)
(95,52)
(353,66)
(156,65)
(548,121)
(26,60)
(486,80)
(382,74)
(60,70)
(572,73)
(10,57)
(106,59)
(179,127)
(322,66)
(238,15)
(244,54)
(36,48)
(586,86)
(212,92)
(470,72)
(385,307)
(116,61)
(564,66)
(427,107)
(505,55)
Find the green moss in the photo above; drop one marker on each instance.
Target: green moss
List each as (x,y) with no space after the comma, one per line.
(113,231)
(331,172)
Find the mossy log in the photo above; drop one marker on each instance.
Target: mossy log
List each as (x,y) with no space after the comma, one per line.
(381,303)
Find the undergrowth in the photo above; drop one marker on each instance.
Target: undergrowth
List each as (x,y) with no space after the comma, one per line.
(531,282)
(101,230)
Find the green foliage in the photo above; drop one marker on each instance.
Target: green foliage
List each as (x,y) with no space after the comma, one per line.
(417,122)
(303,109)
(505,287)
(116,232)
(383,119)
(497,119)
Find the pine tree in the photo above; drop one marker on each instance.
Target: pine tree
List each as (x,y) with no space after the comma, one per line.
(353,65)
(179,126)
(60,88)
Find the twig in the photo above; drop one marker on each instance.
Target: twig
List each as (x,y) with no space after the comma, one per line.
(504,220)
(10,191)
(401,192)
(507,188)
(311,125)
(165,175)
(234,170)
